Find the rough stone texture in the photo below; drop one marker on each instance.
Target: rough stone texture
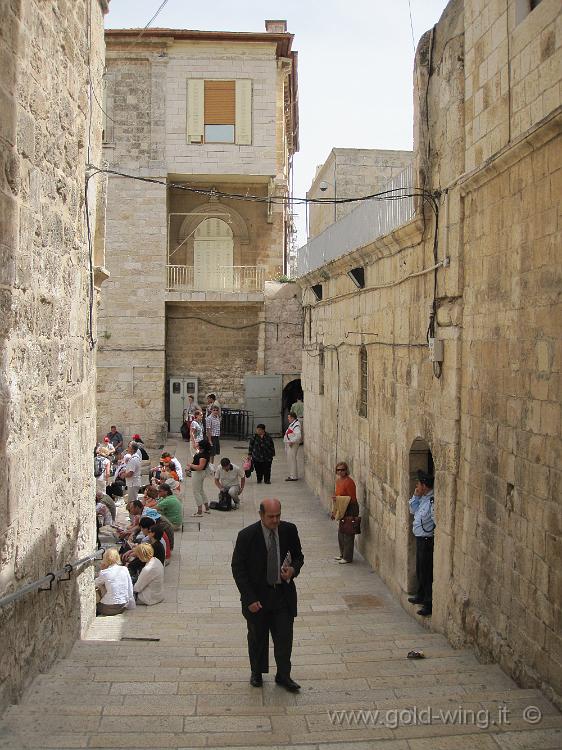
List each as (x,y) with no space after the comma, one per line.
(218,356)
(283,332)
(492,420)
(351,173)
(149,226)
(47,367)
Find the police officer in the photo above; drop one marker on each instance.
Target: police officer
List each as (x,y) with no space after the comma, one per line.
(422,508)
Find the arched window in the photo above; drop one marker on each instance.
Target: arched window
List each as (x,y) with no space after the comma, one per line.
(363,381)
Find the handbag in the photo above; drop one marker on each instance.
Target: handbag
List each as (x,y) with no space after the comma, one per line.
(350,525)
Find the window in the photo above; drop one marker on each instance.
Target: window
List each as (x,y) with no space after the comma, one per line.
(219,111)
(363,381)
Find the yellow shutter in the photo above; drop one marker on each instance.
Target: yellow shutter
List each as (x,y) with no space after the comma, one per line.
(244,112)
(219,103)
(195,108)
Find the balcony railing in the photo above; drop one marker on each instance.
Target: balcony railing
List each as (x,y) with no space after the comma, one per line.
(371,219)
(219,279)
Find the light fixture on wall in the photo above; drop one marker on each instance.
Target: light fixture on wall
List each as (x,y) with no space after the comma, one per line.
(357,275)
(317,291)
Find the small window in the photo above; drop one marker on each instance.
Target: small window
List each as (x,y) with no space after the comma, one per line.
(363,381)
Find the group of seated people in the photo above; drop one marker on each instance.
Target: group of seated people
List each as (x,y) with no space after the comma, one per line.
(133,572)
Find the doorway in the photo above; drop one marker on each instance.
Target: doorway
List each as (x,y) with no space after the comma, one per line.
(420,458)
(291,393)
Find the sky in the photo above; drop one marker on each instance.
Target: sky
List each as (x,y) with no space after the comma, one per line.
(355,65)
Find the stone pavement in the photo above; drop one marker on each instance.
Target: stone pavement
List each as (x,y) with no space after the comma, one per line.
(187,685)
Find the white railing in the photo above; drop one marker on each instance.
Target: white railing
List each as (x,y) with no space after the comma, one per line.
(371,219)
(219,279)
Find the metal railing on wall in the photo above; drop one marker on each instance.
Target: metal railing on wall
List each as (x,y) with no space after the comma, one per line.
(370,220)
(46,582)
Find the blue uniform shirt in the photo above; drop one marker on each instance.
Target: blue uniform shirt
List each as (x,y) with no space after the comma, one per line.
(424,515)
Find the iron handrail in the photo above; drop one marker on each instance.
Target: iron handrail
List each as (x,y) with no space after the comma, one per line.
(46,583)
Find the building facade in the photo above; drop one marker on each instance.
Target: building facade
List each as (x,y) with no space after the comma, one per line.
(483,282)
(350,173)
(211,120)
(50,128)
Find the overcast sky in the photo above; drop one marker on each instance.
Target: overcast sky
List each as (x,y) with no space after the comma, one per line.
(355,64)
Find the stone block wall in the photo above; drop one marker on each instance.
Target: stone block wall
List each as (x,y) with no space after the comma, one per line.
(283,329)
(131,335)
(513,62)
(216,343)
(508,592)
(351,173)
(492,418)
(48,133)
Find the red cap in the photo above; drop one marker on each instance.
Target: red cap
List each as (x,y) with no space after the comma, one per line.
(136,437)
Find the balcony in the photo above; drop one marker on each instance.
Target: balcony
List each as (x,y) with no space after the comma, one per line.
(215,282)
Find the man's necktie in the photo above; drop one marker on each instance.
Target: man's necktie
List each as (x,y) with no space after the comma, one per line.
(272,559)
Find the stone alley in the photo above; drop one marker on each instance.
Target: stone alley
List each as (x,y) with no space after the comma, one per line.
(175,675)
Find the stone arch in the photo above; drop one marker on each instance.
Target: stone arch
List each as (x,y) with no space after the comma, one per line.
(215,209)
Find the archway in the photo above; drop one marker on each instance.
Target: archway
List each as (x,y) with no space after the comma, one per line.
(420,458)
(291,393)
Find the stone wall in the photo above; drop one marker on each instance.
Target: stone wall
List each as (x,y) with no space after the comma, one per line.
(219,352)
(47,135)
(492,418)
(130,360)
(283,330)
(351,173)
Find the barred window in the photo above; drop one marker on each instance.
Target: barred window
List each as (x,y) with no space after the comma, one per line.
(363,381)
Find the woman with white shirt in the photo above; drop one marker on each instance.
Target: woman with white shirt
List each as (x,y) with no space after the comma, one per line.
(149,588)
(114,584)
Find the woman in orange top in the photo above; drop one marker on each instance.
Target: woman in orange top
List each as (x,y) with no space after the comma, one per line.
(345,487)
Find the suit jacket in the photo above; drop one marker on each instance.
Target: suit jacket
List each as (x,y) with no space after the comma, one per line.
(249,563)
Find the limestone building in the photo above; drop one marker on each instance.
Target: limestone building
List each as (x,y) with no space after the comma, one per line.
(211,120)
(350,173)
(50,127)
(484,283)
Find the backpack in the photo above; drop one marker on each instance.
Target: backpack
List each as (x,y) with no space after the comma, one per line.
(225,501)
(98,466)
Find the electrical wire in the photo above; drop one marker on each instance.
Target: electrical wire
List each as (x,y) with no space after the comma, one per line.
(390,195)
(154,17)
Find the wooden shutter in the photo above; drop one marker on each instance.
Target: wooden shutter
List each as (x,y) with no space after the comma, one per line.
(244,112)
(219,103)
(195,105)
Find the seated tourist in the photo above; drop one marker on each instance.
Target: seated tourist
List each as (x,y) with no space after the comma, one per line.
(103,513)
(170,506)
(149,588)
(168,534)
(114,585)
(155,536)
(101,497)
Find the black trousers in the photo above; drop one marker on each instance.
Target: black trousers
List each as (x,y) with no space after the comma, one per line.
(274,618)
(263,470)
(424,568)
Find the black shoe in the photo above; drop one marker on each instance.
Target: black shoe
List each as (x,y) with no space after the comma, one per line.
(256,679)
(288,684)
(258,481)
(415,600)
(424,611)
(267,482)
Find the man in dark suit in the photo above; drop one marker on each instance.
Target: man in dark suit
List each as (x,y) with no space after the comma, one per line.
(267,557)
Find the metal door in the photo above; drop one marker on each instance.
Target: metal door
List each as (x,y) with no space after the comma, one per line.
(180,388)
(264,400)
